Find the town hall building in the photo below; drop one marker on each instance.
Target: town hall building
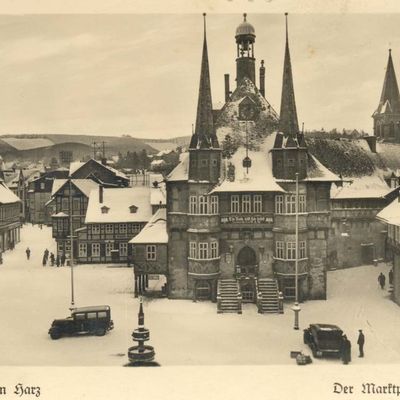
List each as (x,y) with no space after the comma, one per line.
(231,221)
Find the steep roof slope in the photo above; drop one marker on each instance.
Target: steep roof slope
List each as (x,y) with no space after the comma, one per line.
(228,121)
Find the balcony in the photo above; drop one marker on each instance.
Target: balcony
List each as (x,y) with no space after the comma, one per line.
(265,220)
(354,213)
(203,222)
(203,268)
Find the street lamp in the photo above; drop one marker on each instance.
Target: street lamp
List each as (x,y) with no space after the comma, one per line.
(296,308)
(71,259)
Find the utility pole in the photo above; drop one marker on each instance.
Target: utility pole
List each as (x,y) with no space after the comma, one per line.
(71,259)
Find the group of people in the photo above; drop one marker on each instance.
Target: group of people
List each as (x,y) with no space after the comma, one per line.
(345,350)
(47,256)
(382,279)
(57,261)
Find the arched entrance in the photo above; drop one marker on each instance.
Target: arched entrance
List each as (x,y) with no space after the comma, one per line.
(203,290)
(247,261)
(246,272)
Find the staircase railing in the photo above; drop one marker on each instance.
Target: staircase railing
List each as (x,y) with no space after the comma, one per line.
(239,298)
(219,310)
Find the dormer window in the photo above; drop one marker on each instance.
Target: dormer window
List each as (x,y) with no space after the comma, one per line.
(133,209)
(105,209)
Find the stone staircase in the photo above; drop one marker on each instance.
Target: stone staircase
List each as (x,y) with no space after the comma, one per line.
(229,298)
(268,299)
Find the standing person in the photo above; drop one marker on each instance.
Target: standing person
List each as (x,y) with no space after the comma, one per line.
(52,259)
(346,350)
(58,260)
(28,253)
(391,276)
(63,259)
(382,280)
(44,261)
(360,342)
(46,253)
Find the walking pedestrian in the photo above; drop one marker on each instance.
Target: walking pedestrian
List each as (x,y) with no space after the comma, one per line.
(46,253)
(58,260)
(63,258)
(44,260)
(391,276)
(28,253)
(360,342)
(382,280)
(52,259)
(346,350)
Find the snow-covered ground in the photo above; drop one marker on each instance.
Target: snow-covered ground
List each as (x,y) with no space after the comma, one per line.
(182,332)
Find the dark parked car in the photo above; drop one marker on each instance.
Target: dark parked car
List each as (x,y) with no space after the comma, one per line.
(324,339)
(90,320)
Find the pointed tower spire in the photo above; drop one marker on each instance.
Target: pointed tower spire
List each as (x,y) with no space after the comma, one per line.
(390,97)
(204,135)
(288,123)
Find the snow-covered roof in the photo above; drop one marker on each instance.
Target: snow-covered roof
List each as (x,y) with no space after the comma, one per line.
(76,165)
(164,152)
(367,187)
(60,215)
(119,202)
(157,162)
(7,196)
(391,213)
(158,195)
(155,231)
(84,185)
(258,179)
(181,171)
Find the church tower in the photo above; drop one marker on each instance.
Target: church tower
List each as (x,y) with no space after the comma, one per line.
(387,115)
(245,61)
(289,153)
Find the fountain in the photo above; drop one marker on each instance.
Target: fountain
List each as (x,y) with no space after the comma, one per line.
(141,355)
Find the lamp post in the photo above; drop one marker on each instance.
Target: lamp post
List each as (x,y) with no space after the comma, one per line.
(296,308)
(71,260)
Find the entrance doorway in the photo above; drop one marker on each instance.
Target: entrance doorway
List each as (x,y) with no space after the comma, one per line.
(248,290)
(367,253)
(247,261)
(203,290)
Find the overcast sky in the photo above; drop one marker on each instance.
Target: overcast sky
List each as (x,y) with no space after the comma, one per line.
(139,74)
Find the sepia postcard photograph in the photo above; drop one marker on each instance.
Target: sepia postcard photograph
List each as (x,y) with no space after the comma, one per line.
(213,192)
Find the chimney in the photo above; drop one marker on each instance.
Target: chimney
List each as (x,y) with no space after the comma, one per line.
(101,189)
(227,92)
(262,78)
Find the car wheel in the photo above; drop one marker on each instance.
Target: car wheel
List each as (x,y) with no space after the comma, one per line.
(100,332)
(55,335)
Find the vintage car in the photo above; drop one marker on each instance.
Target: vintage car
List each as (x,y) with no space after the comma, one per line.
(324,339)
(95,320)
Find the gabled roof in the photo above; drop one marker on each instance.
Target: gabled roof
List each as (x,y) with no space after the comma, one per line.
(6,195)
(84,185)
(77,165)
(119,201)
(155,231)
(391,213)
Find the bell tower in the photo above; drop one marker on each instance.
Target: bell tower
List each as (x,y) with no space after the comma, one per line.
(245,61)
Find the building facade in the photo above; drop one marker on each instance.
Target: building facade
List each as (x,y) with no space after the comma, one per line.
(69,196)
(10,223)
(233,222)
(113,218)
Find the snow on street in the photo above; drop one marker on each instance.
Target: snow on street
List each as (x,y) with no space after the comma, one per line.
(182,332)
